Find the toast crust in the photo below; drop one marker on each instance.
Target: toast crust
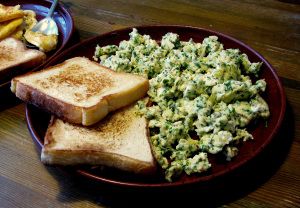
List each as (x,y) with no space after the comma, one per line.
(15,58)
(91,157)
(119,97)
(121,140)
(113,102)
(63,110)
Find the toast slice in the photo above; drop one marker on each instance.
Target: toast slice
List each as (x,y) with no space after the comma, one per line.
(80,91)
(15,58)
(120,141)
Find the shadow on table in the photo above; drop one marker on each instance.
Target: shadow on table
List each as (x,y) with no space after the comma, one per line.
(222,190)
(8,99)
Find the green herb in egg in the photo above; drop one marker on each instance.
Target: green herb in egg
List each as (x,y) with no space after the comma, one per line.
(197,89)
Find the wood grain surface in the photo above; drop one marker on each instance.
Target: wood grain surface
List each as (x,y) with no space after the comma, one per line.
(272,180)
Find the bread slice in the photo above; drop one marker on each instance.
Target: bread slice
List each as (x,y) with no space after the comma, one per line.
(80,91)
(15,58)
(120,141)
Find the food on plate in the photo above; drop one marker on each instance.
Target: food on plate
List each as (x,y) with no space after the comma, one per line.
(10,12)
(80,91)
(9,28)
(12,21)
(15,27)
(15,57)
(18,33)
(45,43)
(29,19)
(120,141)
(201,93)
(18,23)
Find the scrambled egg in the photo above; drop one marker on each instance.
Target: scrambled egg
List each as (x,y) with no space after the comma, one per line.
(201,97)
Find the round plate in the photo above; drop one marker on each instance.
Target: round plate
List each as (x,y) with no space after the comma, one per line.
(62,18)
(37,120)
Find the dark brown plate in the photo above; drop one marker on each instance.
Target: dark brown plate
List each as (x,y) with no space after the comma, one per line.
(37,120)
(62,18)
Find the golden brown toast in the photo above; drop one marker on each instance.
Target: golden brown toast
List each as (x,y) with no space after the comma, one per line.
(120,141)
(15,58)
(80,91)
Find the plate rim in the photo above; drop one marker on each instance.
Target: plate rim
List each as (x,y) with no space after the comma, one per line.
(166,184)
(70,17)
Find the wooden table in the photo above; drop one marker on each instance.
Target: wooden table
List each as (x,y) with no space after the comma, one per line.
(273,180)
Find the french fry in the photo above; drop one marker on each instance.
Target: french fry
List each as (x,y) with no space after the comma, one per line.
(18,33)
(9,12)
(9,28)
